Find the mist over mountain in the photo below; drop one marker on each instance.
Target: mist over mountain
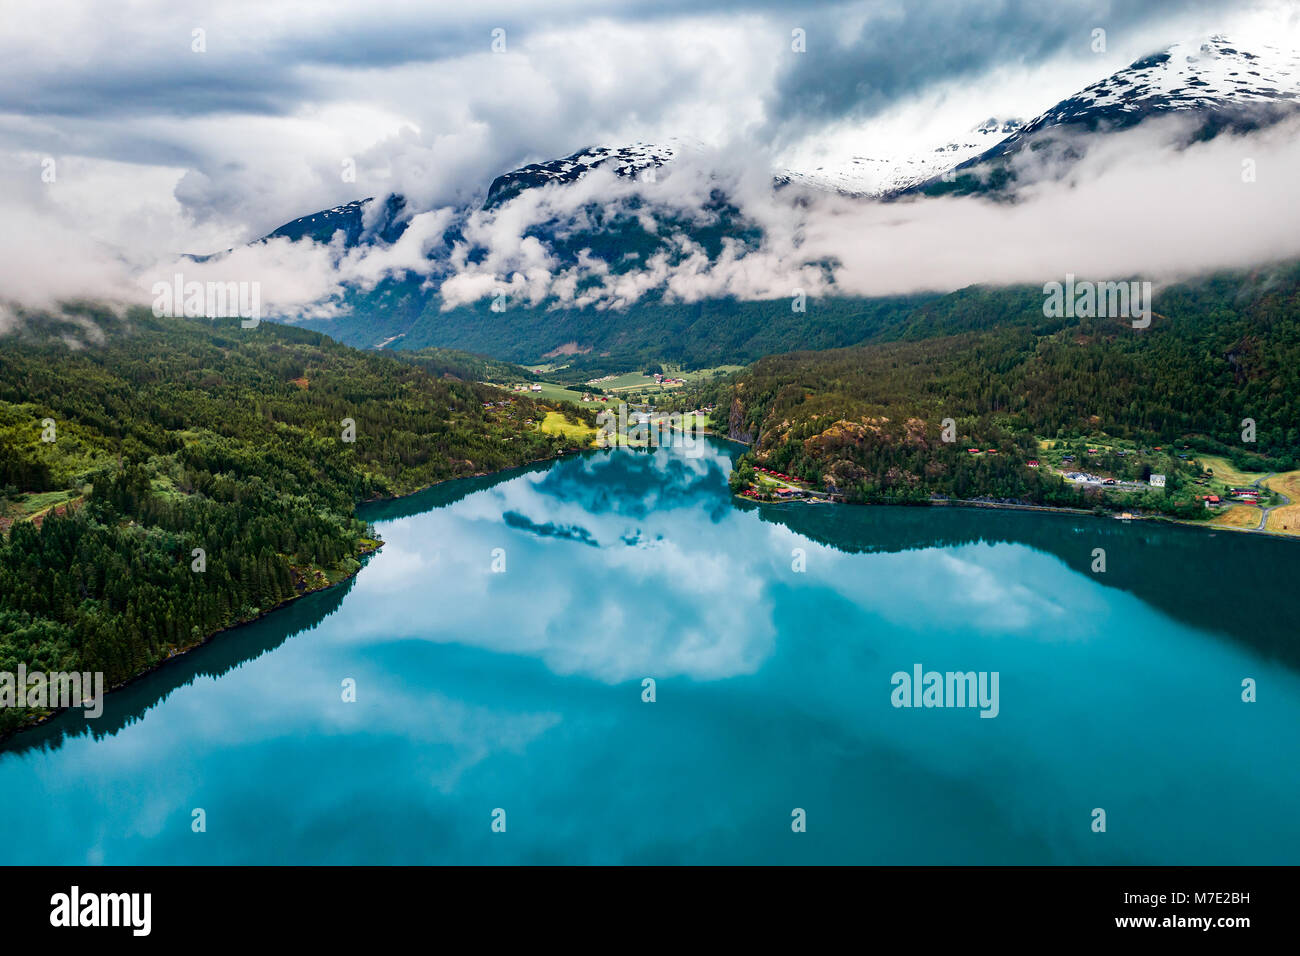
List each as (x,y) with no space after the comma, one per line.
(948,187)
(610,238)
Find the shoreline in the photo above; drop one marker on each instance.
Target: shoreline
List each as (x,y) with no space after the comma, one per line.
(365,554)
(1012,506)
(363,557)
(1262,530)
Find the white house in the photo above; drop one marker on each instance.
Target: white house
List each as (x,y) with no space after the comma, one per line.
(1157,481)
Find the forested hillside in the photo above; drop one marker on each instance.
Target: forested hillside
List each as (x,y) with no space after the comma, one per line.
(604,341)
(452,363)
(128,443)
(868,419)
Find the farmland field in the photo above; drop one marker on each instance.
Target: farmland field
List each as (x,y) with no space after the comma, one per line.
(1237,516)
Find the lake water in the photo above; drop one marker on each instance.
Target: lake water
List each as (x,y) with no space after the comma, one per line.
(521,690)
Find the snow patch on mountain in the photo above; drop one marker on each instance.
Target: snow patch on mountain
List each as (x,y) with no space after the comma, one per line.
(1212,80)
(637,159)
(1191,75)
(1211,75)
(879,169)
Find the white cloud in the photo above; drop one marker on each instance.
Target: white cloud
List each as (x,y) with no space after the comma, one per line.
(166,151)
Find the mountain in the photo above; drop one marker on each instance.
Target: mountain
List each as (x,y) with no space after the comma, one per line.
(363,223)
(1211,76)
(599,241)
(1221,86)
(360,222)
(605,318)
(891,171)
(386,223)
(638,159)
(1212,83)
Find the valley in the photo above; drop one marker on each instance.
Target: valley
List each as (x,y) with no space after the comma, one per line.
(607,420)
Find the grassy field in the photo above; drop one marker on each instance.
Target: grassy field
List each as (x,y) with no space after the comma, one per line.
(1237,516)
(638,382)
(550,392)
(627,380)
(556,393)
(689,420)
(34,507)
(703,373)
(556,424)
(25,506)
(618,387)
(1226,473)
(36,503)
(1285,520)
(1286,483)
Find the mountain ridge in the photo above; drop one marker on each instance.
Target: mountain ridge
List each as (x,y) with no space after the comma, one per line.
(602,246)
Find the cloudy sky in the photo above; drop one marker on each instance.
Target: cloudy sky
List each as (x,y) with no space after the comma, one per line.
(169,126)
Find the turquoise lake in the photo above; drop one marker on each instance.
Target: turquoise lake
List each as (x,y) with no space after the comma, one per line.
(521,689)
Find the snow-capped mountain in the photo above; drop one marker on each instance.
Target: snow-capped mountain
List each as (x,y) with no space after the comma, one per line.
(351,218)
(1187,76)
(595,253)
(1213,82)
(627,161)
(360,223)
(1222,84)
(888,171)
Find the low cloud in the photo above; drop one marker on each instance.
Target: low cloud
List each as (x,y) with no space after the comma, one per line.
(419,104)
(1140,203)
(1136,205)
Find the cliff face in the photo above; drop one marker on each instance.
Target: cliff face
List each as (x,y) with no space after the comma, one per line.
(736,423)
